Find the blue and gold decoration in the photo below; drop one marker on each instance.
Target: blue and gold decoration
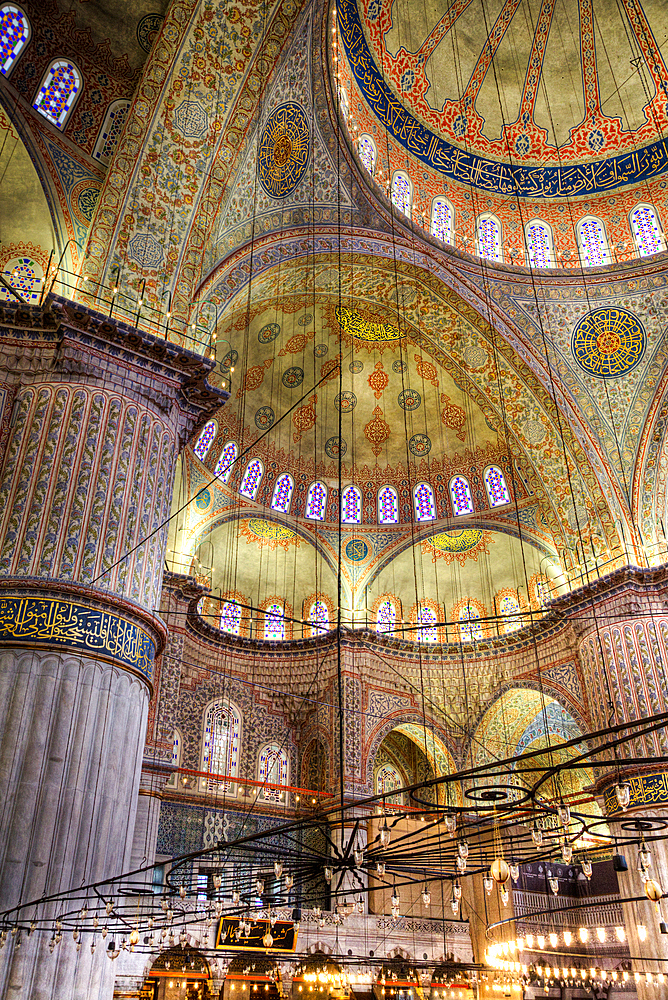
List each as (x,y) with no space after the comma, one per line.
(335,447)
(609,342)
(345,401)
(646,790)
(457,541)
(269,332)
(293,377)
(203,501)
(356,550)
(269,530)
(419,445)
(264,418)
(284,150)
(409,399)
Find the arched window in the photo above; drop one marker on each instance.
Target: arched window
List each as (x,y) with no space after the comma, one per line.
(252,479)
(425,508)
(25,275)
(318,616)
(488,237)
(442,220)
(274,621)
(228,457)
(402,192)
(470,630)
(427,618)
(221,743)
(495,484)
(460,495)
(14,35)
(388,780)
(205,440)
(510,606)
(386,616)
(59,91)
(272,768)
(647,230)
(593,242)
(351,506)
(230,617)
(540,244)
(543,593)
(283,493)
(316,501)
(110,133)
(388,505)
(367,148)
(177,751)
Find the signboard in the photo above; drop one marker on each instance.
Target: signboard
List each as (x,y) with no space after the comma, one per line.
(231,938)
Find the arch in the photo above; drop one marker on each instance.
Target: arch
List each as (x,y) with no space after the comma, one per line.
(489,237)
(443,220)
(235,616)
(273,767)
(428,614)
(388,505)
(647,230)
(205,439)
(540,591)
(316,501)
(592,242)
(58,92)
(228,457)
(110,131)
(15,34)
(250,484)
(402,192)
(351,506)
(221,744)
(460,496)
(495,485)
(427,738)
(540,243)
(318,614)
(508,607)
(367,152)
(386,612)
(387,779)
(282,495)
(468,613)
(425,505)
(275,626)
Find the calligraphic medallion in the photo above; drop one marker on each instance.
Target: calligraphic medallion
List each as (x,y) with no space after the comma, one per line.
(284,150)
(609,342)
(354,324)
(356,550)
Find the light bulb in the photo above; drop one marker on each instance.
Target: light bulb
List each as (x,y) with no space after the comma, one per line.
(216,881)
(553,939)
(564,813)
(359,856)
(328,875)
(278,868)
(567,854)
(621,933)
(457,890)
(463,849)
(586,867)
(384,834)
(488,883)
(540,941)
(380,868)
(554,884)
(645,856)
(451,822)
(426,896)
(514,871)
(600,934)
(529,941)
(568,938)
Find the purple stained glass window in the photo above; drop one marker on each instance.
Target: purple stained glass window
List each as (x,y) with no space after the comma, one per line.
(227,459)
(388,506)
(205,440)
(539,245)
(441,220)
(495,484)
(316,501)
(510,606)
(230,617)
(221,744)
(14,35)
(460,494)
(489,238)
(367,152)
(59,90)
(274,622)
(425,508)
(470,630)
(252,479)
(318,617)
(112,126)
(401,193)
(282,496)
(646,229)
(593,243)
(386,616)
(351,506)
(427,617)
(273,768)
(543,593)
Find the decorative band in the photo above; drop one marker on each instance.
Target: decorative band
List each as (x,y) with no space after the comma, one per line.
(646,790)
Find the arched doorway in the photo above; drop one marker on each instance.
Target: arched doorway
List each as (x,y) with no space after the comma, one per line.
(178,974)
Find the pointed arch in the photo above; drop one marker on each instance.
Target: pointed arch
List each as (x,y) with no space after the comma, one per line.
(489,237)
(221,744)
(276,619)
(402,192)
(110,131)
(388,505)
(540,244)
(386,614)
(273,768)
(58,92)
(235,616)
(443,220)
(205,439)
(250,484)
(282,495)
(469,612)
(429,615)
(593,242)
(318,615)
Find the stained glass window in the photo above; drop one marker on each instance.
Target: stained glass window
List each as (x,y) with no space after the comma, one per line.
(351,506)
(386,616)
(252,479)
(60,89)
(593,242)
(318,616)
(543,592)
(224,464)
(14,35)
(427,617)
(425,508)
(460,494)
(367,148)
(470,630)
(441,220)
(401,192)
(647,230)
(539,244)
(274,621)
(388,780)
(24,274)
(495,484)
(221,743)
(489,237)
(509,605)
(273,768)
(283,493)
(230,617)
(112,126)
(205,440)
(316,501)
(388,505)
(176,749)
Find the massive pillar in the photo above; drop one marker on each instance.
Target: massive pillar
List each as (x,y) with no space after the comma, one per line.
(95,415)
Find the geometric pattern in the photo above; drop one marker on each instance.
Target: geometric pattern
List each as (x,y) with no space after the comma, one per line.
(609,342)
(191,119)
(14,33)
(58,92)
(284,150)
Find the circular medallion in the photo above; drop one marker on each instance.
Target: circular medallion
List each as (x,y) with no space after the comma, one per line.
(305,320)
(264,418)
(83,201)
(409,399)
(609,342)
(203,501)
(356,550)
(345,401)
(268,333)
(147,29)
(355,367)
(284,150)
(419,445)
(335,447)
(399,367)
(229,361)
(320,350)
(292,377)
